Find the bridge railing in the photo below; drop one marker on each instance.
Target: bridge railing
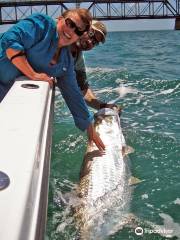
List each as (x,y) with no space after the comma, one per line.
(13,11)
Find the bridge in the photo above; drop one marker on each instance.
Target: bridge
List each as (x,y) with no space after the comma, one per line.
(12,11)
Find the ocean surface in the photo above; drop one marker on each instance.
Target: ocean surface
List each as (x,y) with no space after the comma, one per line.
(141,72)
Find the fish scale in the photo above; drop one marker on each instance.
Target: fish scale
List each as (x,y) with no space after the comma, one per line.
(104,180)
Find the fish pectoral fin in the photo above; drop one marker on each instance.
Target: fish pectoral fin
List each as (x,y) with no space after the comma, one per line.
(127,150)
(134,180)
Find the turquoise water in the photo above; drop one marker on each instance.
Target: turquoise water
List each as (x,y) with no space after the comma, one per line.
(141,70)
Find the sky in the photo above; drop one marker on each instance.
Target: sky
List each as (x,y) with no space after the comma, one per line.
(139,25)
(131,25)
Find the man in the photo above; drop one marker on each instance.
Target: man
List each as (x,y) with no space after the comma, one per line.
(96,34)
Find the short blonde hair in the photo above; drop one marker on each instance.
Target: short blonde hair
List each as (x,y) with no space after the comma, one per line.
(83,13)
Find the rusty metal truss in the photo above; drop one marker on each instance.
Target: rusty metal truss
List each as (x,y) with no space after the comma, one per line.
(12,11)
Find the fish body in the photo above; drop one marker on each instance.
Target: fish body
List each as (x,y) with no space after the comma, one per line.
(103,189)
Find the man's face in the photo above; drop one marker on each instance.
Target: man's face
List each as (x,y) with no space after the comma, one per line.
(89,40)
(68,29)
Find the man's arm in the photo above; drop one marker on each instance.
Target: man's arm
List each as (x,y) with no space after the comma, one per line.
(89,96)
(95,103)
(81,77)
(91,99)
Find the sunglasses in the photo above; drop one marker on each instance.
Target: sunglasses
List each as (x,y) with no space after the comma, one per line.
(71,24)
(91,35)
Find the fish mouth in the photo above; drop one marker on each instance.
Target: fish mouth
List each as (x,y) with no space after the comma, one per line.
(103,112)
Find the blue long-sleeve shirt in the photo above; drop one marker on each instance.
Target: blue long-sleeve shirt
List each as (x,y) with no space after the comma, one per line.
(38,38)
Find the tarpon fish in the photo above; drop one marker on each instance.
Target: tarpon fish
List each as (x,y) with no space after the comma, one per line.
(104,189)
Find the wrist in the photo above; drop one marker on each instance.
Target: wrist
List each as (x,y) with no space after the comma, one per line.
(102,105)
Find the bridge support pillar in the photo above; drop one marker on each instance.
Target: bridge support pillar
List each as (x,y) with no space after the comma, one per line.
(177,24)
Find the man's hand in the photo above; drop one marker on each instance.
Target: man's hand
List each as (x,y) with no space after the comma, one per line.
(94,137)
